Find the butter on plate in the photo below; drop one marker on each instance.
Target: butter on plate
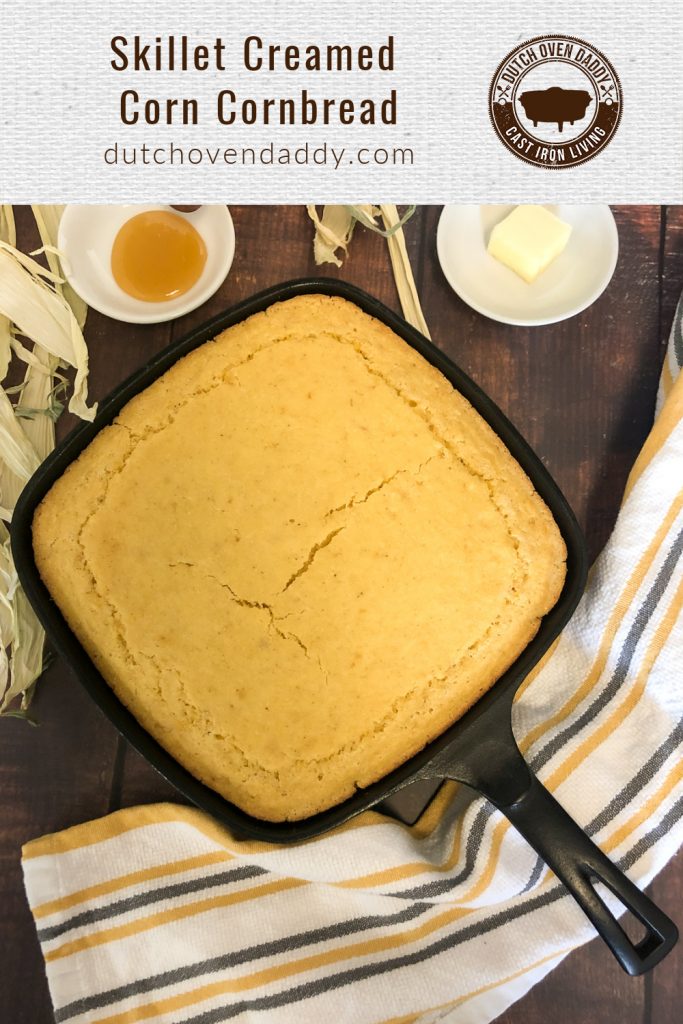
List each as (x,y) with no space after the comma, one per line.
(528,240)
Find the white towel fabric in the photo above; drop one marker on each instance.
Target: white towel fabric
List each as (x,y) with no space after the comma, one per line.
(159,914)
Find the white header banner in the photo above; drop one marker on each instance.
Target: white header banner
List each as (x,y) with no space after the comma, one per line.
(318,101)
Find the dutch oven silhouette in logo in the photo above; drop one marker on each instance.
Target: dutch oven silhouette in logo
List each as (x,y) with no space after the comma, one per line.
(555,101)
(555,104)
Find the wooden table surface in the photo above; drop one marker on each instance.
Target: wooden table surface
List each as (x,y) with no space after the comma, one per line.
(582,392)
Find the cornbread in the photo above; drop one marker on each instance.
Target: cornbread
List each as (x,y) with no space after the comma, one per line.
(298,556)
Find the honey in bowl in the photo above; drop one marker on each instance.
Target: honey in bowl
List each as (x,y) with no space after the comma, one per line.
(157,255)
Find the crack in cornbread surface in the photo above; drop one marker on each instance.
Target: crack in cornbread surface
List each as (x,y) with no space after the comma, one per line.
(298,556)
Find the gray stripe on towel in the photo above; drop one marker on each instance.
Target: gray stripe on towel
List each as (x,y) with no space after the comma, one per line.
(215,964)
(144,899)
(677,333)
(645,613)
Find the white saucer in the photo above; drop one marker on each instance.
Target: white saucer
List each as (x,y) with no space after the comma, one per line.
(86,236)
(570,284)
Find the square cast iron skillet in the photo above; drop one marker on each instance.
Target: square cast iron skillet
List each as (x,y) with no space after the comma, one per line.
(479,749)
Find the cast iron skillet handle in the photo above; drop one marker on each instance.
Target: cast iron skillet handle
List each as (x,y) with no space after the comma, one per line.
(578,863)
(491,762)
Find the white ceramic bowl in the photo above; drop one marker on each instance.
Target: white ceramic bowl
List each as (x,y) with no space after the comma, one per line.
(569,285)
(86,236)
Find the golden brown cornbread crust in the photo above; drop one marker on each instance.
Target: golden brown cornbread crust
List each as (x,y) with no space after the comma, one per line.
(299,556)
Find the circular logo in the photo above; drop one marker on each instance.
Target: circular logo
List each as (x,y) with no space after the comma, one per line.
(555,101)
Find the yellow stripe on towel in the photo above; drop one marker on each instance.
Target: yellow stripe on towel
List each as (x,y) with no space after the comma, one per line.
(150,874)
(666,422)
(624,709)
(412,1018)
(611,629)
(279,972)
(124,931)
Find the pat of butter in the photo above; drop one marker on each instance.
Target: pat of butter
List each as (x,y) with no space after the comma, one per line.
(528,240)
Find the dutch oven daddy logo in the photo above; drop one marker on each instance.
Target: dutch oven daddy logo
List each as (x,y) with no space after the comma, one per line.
(555,101)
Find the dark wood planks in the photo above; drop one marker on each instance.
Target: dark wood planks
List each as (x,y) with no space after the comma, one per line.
(672,266)
(583,394)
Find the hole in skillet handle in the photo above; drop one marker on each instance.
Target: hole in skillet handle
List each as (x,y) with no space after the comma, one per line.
(632,925)
(491,763)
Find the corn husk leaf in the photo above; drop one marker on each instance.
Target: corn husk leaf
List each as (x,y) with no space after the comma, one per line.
(26,657)
(367,216)
(333,230)
(8,231)
(8,234)
(21,633)
(8,582)
(403,274)
(19,457)
(38,407)
(44,316)
(27,356)
(47,219)
(28,263)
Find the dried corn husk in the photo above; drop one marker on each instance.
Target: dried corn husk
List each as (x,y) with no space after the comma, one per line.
(19,457)
(47,219)
(7,234)
(34,302)
(8,583)
(334,229)
(7,229)
(403,274)
(333,233)
(28,297)
(22,634)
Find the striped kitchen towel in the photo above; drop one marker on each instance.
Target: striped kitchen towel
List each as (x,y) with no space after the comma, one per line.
(159,914)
